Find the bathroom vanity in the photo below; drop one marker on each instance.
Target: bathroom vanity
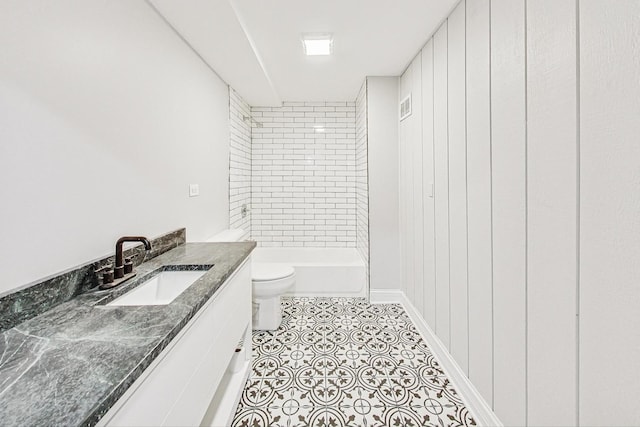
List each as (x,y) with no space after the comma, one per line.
(181,383)
(90,361)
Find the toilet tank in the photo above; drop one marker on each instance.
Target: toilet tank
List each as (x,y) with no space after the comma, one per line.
(232,235)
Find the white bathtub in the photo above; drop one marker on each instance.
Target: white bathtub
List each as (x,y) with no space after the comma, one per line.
(320,271)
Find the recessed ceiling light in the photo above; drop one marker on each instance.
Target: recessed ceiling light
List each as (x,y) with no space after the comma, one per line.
(317,44)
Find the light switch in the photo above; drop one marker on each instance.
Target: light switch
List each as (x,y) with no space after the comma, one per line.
(194,190)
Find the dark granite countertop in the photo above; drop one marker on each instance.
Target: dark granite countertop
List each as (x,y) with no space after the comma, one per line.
(69,365)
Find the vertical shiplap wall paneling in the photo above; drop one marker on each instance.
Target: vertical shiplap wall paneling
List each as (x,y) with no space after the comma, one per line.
(458,187)
(537,182)
(441,172)
(410,148)
(401,190)
(428,260)
(408,125)
(508,130)
(404,185)
(609,212)
(479,198)
(551,212)
(416,157)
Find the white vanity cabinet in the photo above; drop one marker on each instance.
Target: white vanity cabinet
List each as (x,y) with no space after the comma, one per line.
(179,386)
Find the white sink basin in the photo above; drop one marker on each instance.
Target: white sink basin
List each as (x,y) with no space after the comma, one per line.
(161,289)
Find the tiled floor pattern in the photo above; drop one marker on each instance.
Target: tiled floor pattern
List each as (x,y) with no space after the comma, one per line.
(344,362)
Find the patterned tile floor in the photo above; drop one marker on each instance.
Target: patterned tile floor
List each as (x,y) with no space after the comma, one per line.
(345,362)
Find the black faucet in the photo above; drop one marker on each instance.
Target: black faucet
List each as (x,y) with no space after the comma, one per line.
(118,271)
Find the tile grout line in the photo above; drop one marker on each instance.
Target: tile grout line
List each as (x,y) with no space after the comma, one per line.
(578,200)
(493,363)
(526,214)
(433,184)
(466,183)
(448,201)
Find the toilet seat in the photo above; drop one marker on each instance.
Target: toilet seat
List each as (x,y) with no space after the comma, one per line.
(265,272)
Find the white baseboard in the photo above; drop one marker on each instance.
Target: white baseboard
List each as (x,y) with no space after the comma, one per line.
(385,296)
(480,410)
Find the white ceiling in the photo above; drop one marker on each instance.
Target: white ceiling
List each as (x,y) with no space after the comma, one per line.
(254,45)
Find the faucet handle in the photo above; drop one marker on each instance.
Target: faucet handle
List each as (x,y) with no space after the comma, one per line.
(107,273)
(103,268)
(128,264)
(130,258)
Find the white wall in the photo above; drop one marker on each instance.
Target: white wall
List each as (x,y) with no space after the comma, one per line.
(509,209)
(609,212)
(456,113)
(362,177)
(106,118)
(530,112)
(551,211)
(441,253)
(382,149)
(479,197)
(303,174)
(408,130)
(428,185)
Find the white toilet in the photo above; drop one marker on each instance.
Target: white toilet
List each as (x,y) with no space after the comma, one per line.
(269,282)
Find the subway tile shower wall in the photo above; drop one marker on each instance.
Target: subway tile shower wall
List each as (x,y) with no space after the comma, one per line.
(239,161)
(304,175)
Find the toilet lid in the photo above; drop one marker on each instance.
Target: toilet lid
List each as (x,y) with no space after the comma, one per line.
(267,271)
